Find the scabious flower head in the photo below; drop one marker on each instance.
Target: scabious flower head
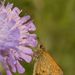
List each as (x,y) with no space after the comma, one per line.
(16,39)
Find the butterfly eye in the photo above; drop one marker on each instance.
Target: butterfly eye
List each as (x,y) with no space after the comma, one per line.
(42,47)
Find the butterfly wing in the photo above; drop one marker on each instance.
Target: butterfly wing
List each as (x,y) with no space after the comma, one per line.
(46,65)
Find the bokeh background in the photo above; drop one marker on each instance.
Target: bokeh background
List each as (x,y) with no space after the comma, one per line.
(55,22)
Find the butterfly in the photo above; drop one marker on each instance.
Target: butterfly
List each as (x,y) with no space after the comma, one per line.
(45,64)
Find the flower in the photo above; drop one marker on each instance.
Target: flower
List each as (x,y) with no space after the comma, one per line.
(16,39)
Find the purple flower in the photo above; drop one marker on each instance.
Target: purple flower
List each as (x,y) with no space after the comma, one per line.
(16,39)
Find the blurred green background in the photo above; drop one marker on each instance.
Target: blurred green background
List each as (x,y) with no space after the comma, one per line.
(55,22)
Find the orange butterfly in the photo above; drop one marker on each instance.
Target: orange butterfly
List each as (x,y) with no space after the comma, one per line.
(45,64)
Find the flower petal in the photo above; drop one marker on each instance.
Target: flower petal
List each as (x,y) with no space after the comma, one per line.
(24,19)
(30,26)
(27,58)
(16,11)
(20,68)
(25,50)
(9,6)
(8,72)
(11,63)
(31,42)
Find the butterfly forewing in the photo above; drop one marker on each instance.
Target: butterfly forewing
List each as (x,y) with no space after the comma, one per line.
(46,65)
